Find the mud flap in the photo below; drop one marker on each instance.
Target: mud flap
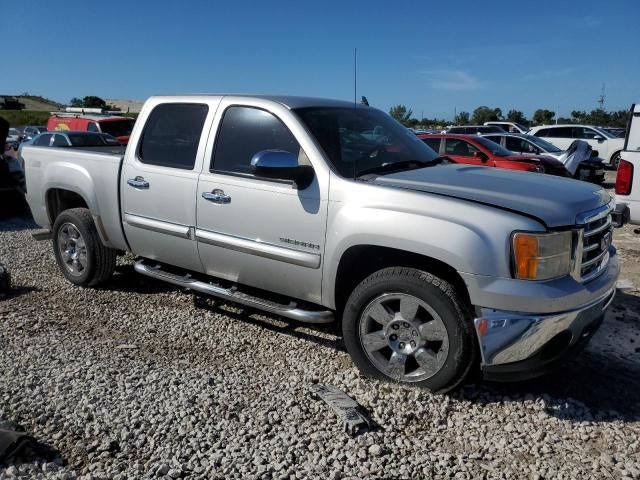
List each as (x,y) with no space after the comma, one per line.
(346,408)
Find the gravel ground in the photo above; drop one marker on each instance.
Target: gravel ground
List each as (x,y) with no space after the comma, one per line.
(142,380)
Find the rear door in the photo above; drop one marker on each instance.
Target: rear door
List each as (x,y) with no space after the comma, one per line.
(254,231)
(159,182)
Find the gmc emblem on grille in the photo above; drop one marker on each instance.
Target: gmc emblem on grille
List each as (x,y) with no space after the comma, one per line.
(605,242)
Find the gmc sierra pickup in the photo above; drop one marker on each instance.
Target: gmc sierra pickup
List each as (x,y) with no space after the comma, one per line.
(320,210)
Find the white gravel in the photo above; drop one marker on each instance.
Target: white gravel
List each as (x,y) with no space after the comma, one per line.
(138,380)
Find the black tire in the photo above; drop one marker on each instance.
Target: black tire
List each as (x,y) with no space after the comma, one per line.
(100,260)
(615,161)
(441,296)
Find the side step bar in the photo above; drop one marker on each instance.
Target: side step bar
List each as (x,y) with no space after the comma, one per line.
(187,281)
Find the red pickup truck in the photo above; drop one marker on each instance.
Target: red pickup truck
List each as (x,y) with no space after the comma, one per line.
(476,150)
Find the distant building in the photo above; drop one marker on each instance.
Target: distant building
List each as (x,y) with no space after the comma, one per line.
(131,106)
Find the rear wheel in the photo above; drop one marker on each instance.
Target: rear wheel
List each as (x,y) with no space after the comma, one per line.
(615,161)
(80,254)
(408,326)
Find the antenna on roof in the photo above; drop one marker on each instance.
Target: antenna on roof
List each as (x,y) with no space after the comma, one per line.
(355,76)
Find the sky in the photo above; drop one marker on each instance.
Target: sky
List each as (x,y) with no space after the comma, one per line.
(434,57)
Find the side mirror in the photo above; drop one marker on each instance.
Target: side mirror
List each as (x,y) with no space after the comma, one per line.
(598,138)
(281,165)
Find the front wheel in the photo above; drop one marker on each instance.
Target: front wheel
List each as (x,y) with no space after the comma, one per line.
(408,326)
(81,255)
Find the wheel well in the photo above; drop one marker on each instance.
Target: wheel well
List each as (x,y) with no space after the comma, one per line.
(59,200)
(360,261)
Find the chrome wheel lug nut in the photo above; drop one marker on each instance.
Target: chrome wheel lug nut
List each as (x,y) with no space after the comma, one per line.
(405,325)
(393,337)
(401,345)
(395,326)
(413,344)
(414,333)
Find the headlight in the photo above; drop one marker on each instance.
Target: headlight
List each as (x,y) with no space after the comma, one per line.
(541,256)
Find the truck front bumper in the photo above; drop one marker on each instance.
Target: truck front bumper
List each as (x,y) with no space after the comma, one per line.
(518,346)
(527,342)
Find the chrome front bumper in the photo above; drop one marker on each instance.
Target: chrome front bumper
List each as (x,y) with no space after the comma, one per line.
(507,337)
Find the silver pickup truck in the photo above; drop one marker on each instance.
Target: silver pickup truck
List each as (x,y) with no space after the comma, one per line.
(321,211)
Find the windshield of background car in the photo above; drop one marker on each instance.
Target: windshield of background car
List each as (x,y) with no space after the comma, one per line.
(604,132)
(358,139)
(493,147)
(118,128)
(543,144)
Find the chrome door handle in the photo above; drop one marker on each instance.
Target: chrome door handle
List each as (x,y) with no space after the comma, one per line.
(138,182)
(216,196)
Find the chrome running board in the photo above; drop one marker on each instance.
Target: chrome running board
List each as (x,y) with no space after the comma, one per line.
(291,310)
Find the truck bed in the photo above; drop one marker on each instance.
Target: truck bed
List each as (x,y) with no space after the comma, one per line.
(95,175)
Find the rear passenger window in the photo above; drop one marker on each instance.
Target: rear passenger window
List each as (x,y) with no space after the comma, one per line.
(246,131)
(433,143)
(172,134)
(561,132)
(92,127)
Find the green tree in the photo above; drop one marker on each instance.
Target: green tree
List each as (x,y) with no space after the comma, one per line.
(93,102)
(578,116)
(462,118)
(401,114)
(517,116)
(485,114)
(76,102)
(542,116)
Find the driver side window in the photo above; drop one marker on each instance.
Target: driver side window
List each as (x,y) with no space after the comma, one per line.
(459,147)
(246,131)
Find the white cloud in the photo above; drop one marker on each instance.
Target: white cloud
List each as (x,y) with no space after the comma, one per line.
(452,80)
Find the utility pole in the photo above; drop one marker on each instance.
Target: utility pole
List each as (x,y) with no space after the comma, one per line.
(455,115)
(601,98)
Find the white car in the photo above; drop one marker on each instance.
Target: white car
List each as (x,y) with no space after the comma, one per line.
(511,127)
(606,145)
(14,137)
(628,176)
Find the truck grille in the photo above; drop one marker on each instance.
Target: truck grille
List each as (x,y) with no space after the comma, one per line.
(596,239)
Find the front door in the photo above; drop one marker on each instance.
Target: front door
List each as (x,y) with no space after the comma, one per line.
(254,231)
(461,151)
(159,182)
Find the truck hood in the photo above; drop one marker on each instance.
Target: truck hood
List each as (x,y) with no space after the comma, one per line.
(554,201)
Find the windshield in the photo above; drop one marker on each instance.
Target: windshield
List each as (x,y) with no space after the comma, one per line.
(362,138)
(493,147)
(118,128)
(543,144)
(604,132)
(13,131)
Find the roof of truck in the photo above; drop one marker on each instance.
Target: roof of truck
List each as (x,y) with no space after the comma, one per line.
(286,100)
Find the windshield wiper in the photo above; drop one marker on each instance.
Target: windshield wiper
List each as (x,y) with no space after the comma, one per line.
(394,166)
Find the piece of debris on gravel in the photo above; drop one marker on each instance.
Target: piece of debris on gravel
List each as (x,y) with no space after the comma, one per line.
(215,391)
(355,420)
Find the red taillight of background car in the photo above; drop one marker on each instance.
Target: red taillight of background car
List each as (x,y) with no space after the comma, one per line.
(624,178)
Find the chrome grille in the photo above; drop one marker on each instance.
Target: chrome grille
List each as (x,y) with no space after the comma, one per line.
(595,237)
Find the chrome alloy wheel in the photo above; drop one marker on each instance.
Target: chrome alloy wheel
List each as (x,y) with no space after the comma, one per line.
(404,337)
(72,248)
